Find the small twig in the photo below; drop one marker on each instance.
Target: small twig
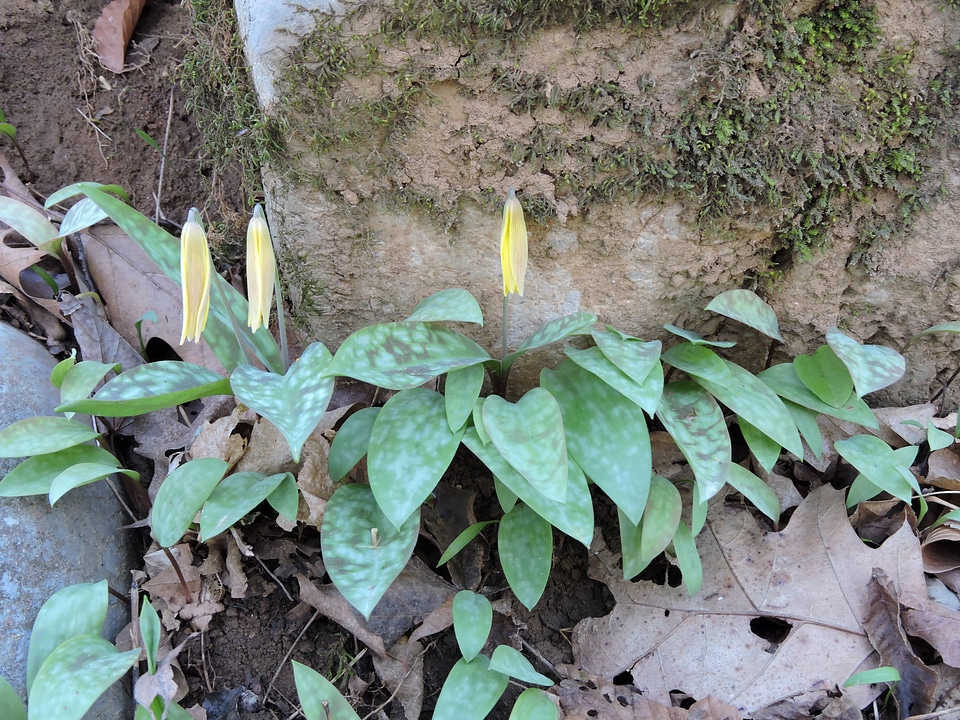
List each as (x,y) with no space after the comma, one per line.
(937,714)
(316,614)
(945,385)
(176,569)
(274,578)
(163,158)
(203,663)
(537,654)
(120,499)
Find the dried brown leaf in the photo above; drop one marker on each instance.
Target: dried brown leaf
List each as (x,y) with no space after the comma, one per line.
(939,626)
(941,549)
(401,670)
(113,31)
(332,604)
(943,469)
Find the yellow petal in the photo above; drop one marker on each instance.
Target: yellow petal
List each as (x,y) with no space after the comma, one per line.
(261,270)
(195,278)
(513,245)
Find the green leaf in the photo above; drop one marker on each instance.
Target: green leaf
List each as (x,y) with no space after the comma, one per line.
(573,517)
(647,395)
(317,695)
(505,496)
(27,221)
(642,542)
(948,327)
(685,548)
(82,378)
(286,498)
(512,662)
(294,402)
(79,609)
(411,447)
(806,421)
(84,474)
(748,308)
(697,338)
(697,360)
(8,130)
(938,439)
(462,540)
(460,392)
(606,434)
(470,691)
(578,323)
(150,387)
(953,515)
(42,435)
(61,369)
(472,621)
(825,375)
(75,674)
(180,497)
(35,475)
(783,380)
(634,357)
(69,191)
(477,416)
(529,435)
(362,551)
(765,449)
(150,633)
(143,135)
(696,424)
(11,706)
(884,674)
(525,542)
(755,490)
(534,704)
(452,305)
(886,468)
(351,442)
(82,215)
(872,367)
(234,498)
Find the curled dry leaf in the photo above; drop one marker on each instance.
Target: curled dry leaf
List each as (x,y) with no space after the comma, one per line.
(943,469)
(941,549)
(113,31)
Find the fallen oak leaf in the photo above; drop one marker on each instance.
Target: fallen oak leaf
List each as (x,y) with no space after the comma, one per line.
(113,31)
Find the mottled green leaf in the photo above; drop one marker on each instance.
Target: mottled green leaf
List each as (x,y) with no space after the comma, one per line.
(460,392)
(872,367)
(150,633)
(294,402)
(606,435)
(286,498)
(783,380)
(478,421)
(69,191)
(634,357)
(512,662)
(462,540)
(150,387)
(765,449)
(41,435)
(472,621)
(685,548)
(318,696)
(362,550)
(233,498)
(505,496)
(695,422)
(806,420)
(697,360)
(534,704)
(470,691)
(696,338)
(578,323)
(79,609)
(825,375)
(529,436)
(755,490)
(646,395)
(82,215)
(84,474)
(181,496)
(82,378)
(27,221)
(886,468)
(403,355)
(11,706)
(748,308)
(35,475)
(351,442)
(411,446)
(642,542)
(61,369)
(453,305)
(525,544)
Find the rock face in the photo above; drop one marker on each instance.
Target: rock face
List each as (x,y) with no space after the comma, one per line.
(43,549)
(661,158)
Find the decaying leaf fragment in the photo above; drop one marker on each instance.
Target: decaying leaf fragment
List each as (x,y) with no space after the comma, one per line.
(113,31)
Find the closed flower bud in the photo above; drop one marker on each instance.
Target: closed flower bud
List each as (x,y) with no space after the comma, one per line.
(513,246)
(195,277)
(261,270)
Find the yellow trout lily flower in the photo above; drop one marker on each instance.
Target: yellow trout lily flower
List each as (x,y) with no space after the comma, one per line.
(513,246)
(195,277)
(261,270)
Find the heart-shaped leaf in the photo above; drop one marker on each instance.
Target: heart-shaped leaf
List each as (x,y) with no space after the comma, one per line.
(319,699)
(472,621)
(512,662)
(452,305)
(534,704)
(362,550)
(825,375)
(631,355)
(697,360)
(606,435)
(470,690)
(529,435)
(748,308)
(35,475)
(351,442)
(696,338)
(150,387)
(872,367)
(460,392)
(181,496)
(411,446)
(578,323)
(646,394)
(233,498)
(783,380)
(11,706)
(294,402)
(755,490)
(525,543)
(84,474)
(42,435)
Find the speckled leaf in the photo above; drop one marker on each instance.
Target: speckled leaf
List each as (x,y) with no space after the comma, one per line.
(69,191)
(35,475)
(294,402)
(646,395)
(181,496)
(82,215)
(578,323)
(534,704)
(806,420)
(74,610)
(286,498)
(478,421)
(634,357)
(362,551)
(11,706)
(525,544)
(42,435)
(411,446)
(529,436)
(696,338)
(880,464)
(764,449)
(454,305)
(512,662)
(695,422)
(82,378)
(75,674)
(642,542)
(317,696)
(403,355)
(752,400)
(470,691)
(150,387)
(697,360)
(460,392)
(872,367)
(233,498)
(573,517)
(825,376)
(783,380)
(606,435)
(748,308)
(27,221)
(351,442)
(688,558)
(84,474)
(472,620)
(755,490)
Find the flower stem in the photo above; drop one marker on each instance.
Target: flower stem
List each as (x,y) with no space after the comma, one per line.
(241,340)
(281,318)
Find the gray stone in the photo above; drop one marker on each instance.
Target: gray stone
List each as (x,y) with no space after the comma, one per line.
(43,549)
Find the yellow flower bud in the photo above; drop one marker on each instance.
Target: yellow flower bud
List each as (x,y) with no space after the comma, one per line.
(195,277)
(513,246)
(261,270)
